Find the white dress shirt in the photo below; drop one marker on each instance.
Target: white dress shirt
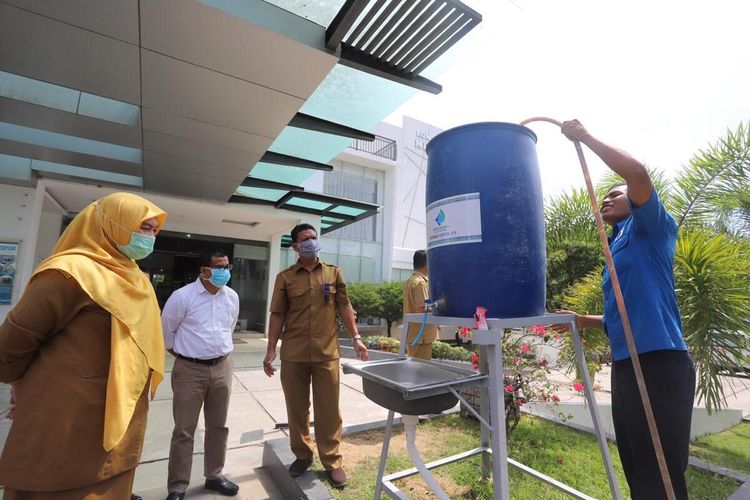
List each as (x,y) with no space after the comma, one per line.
(199,324)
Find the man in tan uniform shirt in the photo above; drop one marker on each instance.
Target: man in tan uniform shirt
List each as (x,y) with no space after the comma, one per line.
(306,297)
(416,291)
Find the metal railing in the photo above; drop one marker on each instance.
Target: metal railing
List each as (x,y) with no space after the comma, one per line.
(381,146)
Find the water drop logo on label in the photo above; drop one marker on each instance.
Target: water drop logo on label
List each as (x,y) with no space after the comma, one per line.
(440,219)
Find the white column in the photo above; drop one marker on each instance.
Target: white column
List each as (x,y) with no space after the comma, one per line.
(274,265)
(389,222)
(27,251)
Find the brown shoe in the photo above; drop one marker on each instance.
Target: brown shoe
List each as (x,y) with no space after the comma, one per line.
(338,477)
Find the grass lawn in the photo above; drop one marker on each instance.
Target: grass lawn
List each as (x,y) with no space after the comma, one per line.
(730,448)
(558,451)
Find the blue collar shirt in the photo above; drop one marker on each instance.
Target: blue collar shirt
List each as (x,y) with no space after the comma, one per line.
(643,249)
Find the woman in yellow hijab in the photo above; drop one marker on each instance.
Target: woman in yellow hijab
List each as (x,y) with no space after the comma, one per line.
(82,348)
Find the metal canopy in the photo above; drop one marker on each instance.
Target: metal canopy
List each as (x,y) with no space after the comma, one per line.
(398,40)
(334,212)
(316,124)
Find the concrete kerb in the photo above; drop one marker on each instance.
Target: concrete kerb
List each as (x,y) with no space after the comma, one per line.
(278,456)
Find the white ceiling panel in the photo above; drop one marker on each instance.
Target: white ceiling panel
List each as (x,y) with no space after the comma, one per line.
(196,33)
(193,92)
(38,47)
(189,216)
(113,18)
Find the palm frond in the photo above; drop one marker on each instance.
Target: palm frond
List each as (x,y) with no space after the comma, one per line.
(714,183)
(712,288)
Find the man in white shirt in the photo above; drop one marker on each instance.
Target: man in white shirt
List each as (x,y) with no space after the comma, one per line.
(198,321)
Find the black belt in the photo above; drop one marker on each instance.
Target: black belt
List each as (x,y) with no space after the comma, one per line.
(210,362)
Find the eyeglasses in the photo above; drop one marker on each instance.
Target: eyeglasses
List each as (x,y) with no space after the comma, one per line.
(228,267)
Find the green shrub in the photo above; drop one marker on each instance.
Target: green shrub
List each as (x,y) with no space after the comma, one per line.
(440,350)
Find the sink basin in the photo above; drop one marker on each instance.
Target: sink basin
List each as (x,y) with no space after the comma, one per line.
(412,386)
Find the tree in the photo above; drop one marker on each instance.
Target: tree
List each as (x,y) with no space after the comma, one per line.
(709,200)
(365,299)
(572,246)
(392,297)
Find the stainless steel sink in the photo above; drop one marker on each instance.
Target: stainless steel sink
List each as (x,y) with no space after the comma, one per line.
(412,386)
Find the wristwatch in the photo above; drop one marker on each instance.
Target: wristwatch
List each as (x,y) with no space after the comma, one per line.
(357,337)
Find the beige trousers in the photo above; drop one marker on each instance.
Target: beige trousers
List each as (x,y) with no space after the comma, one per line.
(421,351)
(195,385)
(116,487)
(295,380)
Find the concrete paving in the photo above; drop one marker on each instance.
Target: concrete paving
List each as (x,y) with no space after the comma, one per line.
(257,405)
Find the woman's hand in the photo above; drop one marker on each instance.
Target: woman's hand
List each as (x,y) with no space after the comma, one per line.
(565,327)
(582,321)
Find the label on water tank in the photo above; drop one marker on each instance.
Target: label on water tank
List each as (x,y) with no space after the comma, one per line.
(454,220)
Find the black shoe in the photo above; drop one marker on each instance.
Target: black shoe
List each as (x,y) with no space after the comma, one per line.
(175,495)
(136,497)
(222,485)
(299,467)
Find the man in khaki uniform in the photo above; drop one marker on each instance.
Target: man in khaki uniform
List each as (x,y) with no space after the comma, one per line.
(306,297)
(416,291)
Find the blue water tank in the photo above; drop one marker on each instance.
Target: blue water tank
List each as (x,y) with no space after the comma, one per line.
(485,222)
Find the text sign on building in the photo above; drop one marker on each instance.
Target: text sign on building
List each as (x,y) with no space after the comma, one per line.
(421,138)
(454,221)
(8,253)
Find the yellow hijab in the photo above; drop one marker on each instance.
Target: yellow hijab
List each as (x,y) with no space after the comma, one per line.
(86,251)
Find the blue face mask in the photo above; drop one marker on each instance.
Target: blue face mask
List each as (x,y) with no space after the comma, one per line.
(140,246)
(309,249)
(220,277)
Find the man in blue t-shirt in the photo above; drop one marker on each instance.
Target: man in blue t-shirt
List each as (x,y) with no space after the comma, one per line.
(643,242)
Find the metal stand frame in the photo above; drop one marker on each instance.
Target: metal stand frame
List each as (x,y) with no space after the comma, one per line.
(492,409)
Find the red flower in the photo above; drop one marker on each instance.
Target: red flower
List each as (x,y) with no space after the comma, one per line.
(509,388)
(578,387)
(475,361)
(517,360)
(525,348)
(539,330)
(555,398)
(520,401)
(543,362)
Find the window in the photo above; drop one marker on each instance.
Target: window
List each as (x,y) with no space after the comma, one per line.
(354,187)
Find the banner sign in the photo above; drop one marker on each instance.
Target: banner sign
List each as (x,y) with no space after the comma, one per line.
(8,255)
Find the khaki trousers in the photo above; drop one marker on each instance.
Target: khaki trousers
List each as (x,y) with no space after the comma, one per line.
(421,351)
(116,487)
(195,385)
(295,380)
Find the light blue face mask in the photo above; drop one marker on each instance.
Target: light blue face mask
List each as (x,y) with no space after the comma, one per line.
(139,247)
(309,249)
(220,277)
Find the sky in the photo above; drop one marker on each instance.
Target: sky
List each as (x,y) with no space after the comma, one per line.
(660,79)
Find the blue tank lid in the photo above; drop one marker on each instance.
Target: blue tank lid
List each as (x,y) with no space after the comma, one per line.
(482,125)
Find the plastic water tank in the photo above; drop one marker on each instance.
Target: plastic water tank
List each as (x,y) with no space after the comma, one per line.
(485,222)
